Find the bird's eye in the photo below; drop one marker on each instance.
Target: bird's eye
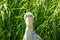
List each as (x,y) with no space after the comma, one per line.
(30,15)
(26,15)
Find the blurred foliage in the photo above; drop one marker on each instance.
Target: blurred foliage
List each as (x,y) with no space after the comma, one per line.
(46,22)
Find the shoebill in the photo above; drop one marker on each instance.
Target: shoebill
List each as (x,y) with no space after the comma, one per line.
(29,32)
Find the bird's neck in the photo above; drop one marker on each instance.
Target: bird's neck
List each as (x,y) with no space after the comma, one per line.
(29,29)
(30,26)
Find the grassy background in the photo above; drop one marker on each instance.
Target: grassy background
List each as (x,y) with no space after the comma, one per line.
(46,22)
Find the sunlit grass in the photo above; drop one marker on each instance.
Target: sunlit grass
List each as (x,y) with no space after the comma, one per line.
(46,22)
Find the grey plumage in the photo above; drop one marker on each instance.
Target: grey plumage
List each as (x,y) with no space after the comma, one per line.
(29,32)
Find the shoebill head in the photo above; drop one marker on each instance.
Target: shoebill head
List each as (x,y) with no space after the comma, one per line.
(28,17)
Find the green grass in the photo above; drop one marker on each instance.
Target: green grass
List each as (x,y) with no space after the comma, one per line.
(46,22)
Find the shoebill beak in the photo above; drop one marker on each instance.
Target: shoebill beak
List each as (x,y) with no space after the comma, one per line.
(28,21)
